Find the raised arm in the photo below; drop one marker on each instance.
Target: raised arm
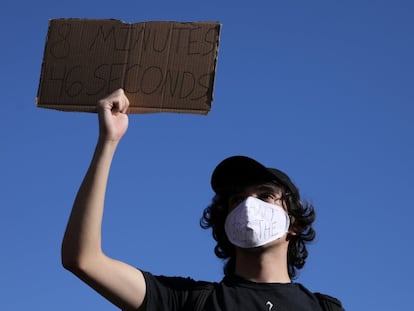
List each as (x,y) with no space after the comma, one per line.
(82,253)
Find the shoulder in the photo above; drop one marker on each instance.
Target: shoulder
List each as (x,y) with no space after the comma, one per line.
(328,302)
(175,292)
(178,282)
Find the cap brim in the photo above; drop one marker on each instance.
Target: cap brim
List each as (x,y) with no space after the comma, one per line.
(240,171)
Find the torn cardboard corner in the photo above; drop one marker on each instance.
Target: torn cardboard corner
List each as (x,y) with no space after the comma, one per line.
(162,66)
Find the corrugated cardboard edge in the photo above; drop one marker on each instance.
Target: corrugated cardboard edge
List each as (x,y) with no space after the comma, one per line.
(133,110)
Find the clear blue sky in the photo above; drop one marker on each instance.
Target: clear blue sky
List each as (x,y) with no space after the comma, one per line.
(320,89)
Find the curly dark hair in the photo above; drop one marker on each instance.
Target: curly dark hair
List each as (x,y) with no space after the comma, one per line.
(302,215)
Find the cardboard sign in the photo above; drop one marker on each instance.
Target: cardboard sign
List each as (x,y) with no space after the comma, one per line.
(162,66)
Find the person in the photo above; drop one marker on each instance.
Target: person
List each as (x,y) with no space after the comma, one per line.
(257,218)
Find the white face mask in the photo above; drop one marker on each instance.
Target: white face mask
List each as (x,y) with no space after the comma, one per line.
(255,223)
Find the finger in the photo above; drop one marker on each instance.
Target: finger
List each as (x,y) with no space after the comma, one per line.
(125,104)
(115,102)
(122,100)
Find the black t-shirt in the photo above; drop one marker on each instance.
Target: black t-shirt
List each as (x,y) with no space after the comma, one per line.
(231,294)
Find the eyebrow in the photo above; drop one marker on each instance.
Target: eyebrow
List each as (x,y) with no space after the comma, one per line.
(268,187)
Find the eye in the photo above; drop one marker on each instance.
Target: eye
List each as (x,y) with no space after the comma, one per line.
(269,197)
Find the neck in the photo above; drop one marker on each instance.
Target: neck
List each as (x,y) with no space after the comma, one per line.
(263,264)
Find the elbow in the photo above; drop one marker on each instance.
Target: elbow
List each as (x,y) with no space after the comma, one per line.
(69,254)
(78,262)
(76,265)
(70,261)
(71,258)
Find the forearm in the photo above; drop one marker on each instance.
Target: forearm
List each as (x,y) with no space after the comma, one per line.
(82,239)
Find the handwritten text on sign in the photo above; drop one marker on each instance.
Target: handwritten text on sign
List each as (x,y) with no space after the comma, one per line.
(154,60)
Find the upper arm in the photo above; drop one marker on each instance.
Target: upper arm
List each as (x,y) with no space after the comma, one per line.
(120,283)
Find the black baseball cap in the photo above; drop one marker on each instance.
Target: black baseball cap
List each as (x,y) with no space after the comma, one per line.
(239,171)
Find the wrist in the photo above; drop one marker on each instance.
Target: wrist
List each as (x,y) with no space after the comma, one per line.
(106,143)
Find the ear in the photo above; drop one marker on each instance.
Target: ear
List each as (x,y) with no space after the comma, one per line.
(292,232)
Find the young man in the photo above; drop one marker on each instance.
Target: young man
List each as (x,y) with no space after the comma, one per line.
(257,218)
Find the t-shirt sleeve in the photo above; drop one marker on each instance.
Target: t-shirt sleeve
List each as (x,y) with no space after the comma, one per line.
(171,293)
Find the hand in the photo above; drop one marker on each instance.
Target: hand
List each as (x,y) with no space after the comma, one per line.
(113,120)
